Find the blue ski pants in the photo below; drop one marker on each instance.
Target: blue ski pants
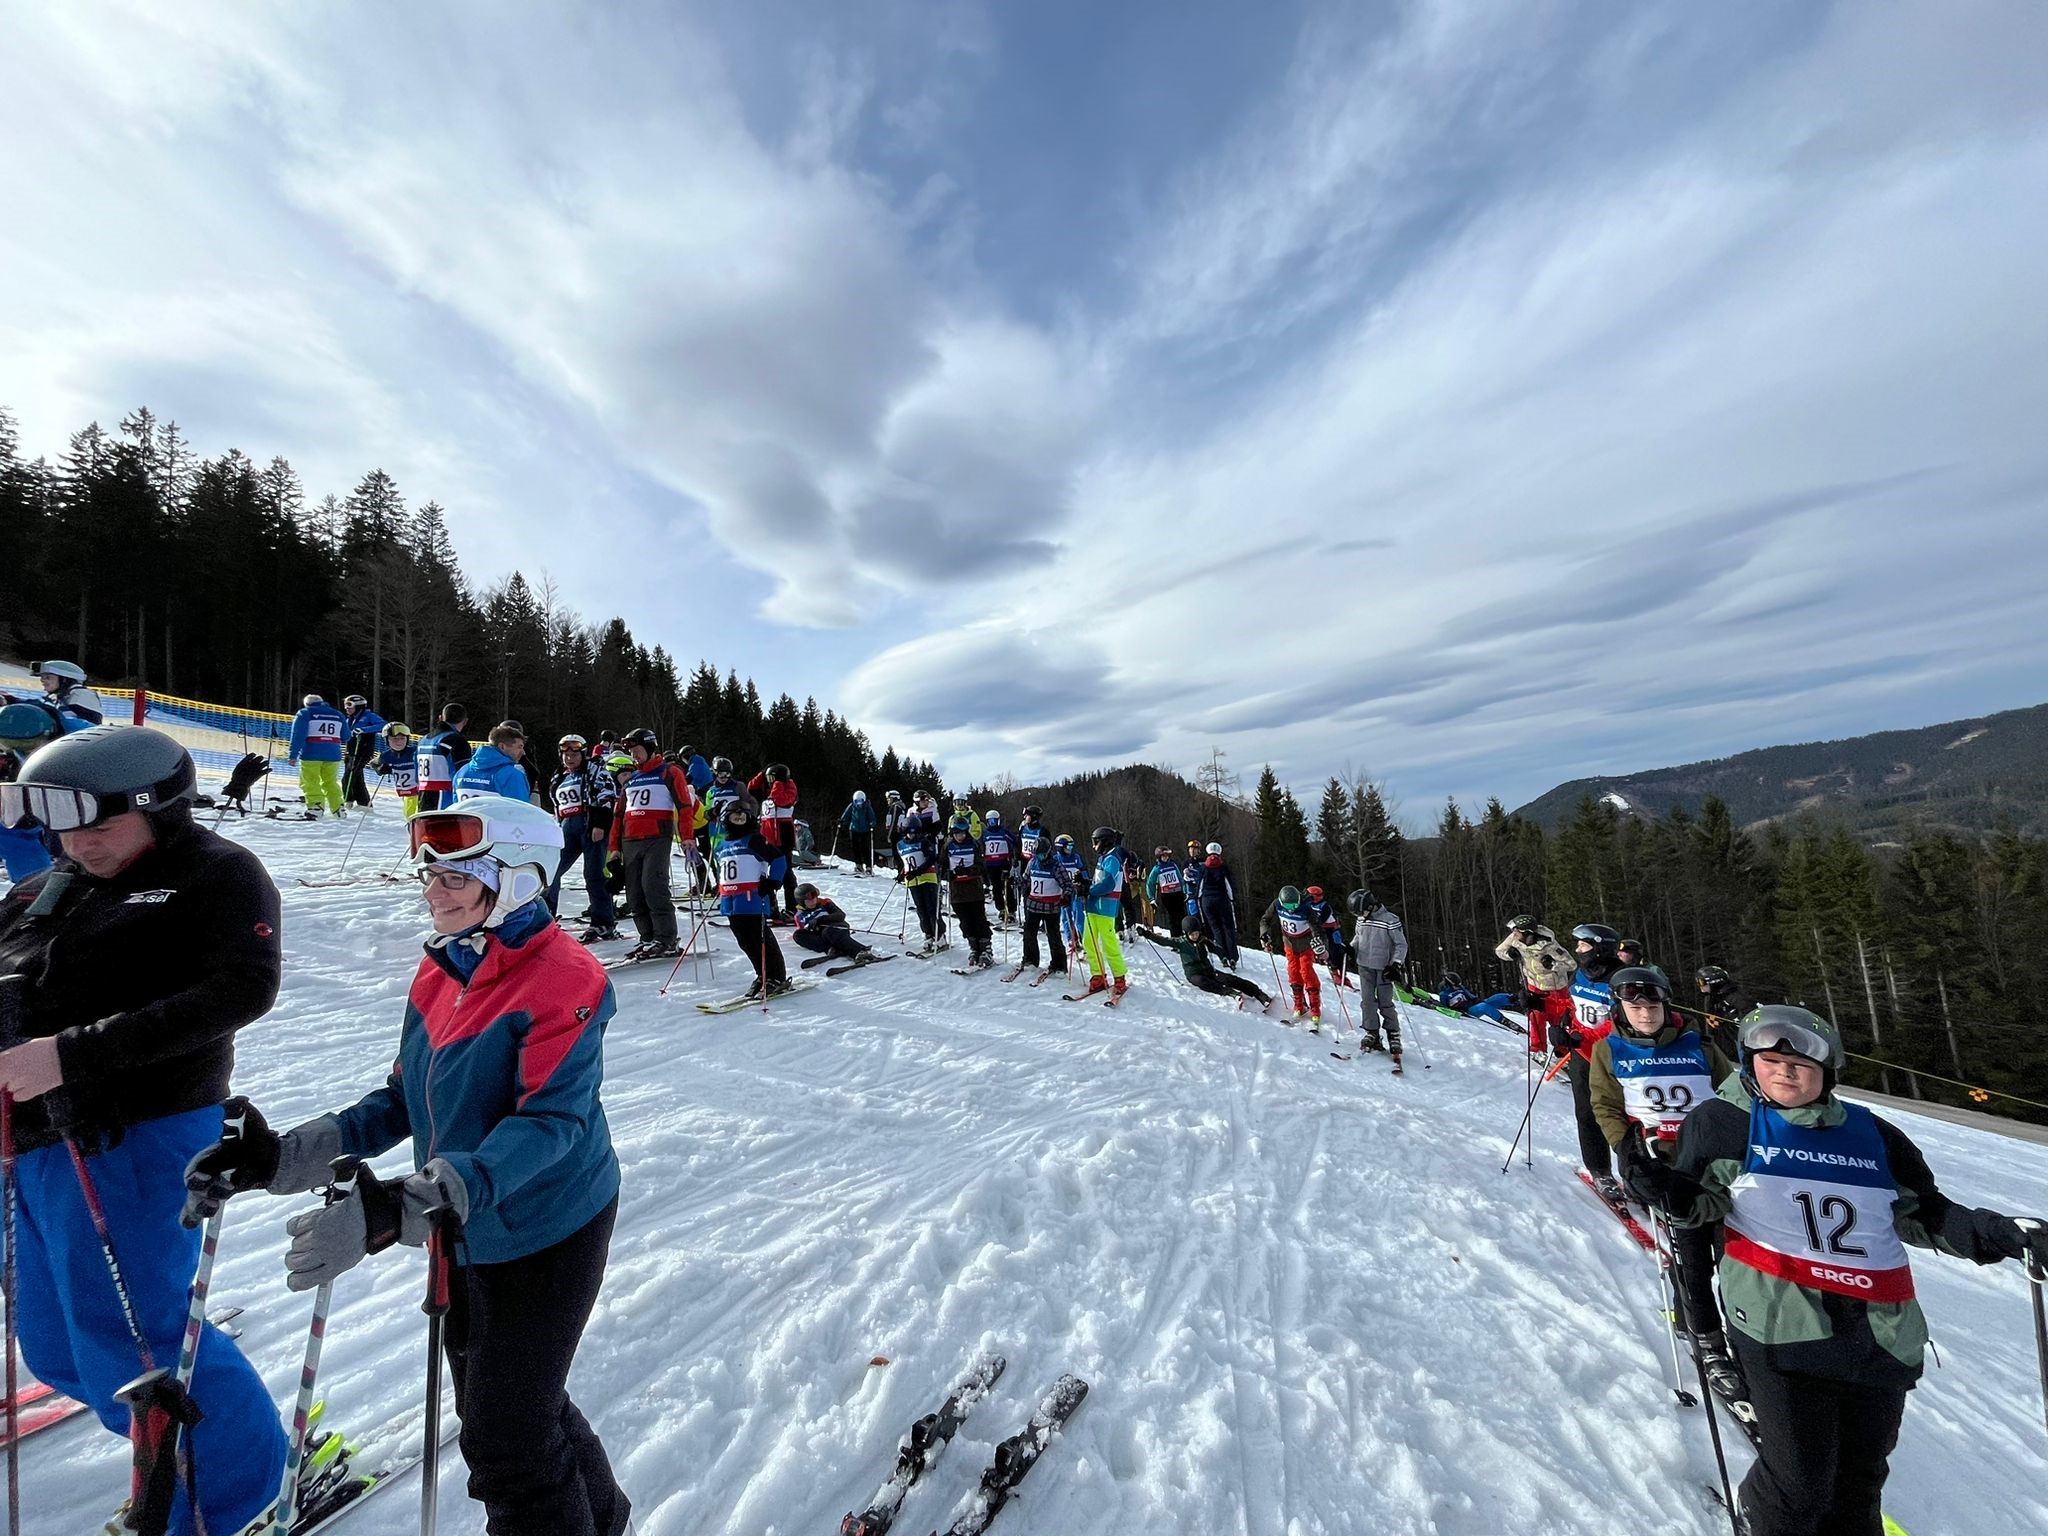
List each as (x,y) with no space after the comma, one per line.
(75,1337)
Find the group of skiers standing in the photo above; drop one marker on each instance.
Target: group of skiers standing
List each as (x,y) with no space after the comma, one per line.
(1726,1124)
(128,967)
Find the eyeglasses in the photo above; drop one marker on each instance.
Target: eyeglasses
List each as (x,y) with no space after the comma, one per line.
(453,880)
(1641,992)
(447,835)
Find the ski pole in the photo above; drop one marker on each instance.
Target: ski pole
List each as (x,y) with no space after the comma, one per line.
(98,1213)
(209,1246)
(1667,1290)
(1344,1010)
(349,852)
(7,1295)
(887,897)
(1699,1364)
(347,1170)
(1278,988)
(2037,1277)
(763,971)
(1536,1088)
(441,1232)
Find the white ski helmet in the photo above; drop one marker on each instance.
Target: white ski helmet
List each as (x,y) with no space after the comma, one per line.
(69,673)
(860,797)
(1215,848)
(522,839)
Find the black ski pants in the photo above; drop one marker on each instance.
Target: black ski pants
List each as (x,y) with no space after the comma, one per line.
(1232,986)
(1693,1251)
(1593,1149)
(756,940)
(1172,910)
(834,939)
(1826,1449)
(534,1462)
(647,887)
(1035,920)
(1221,921)
(970,910)
(926,899)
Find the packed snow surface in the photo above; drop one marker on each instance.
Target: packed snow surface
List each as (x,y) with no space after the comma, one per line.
(1306,1296)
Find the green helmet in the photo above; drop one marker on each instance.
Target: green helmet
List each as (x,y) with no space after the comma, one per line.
(1290,898)
(1797,1032)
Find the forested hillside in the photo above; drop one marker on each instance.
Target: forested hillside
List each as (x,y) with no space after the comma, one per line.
(1965,775)
(221,579)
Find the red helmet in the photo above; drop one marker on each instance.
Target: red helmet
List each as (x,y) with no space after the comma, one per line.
(1315,893)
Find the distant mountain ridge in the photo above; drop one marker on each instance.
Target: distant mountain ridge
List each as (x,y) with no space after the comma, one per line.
(1963,775)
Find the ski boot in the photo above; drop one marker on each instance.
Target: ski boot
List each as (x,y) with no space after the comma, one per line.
(981,960)
(865,957)
(1724,1376)
(1315,1023)
(753,991)
(1610,1189)
(1369,1043)
(1121,985)
(596,935)
(1097,984)
(663,949)
(778,987)
(638,951)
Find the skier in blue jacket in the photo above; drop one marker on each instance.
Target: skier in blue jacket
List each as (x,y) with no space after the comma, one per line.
(365,727)
(749,869)
(509,1134)
(319,732)
(495,769)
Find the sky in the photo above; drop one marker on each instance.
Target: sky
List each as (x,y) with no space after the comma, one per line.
(1473,395)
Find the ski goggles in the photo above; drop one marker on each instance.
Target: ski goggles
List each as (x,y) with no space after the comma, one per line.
(1642,992)
(1786,1035)
(63,810)
(443,836)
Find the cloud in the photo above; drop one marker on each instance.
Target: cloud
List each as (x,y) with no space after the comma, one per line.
(1490,392)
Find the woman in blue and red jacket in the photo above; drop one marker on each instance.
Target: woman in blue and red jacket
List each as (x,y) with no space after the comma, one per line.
(499,1063)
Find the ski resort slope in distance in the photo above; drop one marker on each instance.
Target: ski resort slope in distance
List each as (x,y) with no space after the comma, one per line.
(1304,1293)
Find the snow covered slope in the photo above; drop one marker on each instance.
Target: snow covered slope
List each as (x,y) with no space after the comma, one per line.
(1306,1296)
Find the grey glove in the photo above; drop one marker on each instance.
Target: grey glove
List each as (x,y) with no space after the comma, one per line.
(305,1156)
(435,1187)
(334,1239)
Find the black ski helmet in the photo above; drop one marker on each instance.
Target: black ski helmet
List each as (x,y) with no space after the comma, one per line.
(1636,976)
(1191,925)
(1711,979)
(99,772)
(643,738)
(1104,838)
(1602,938)
(721,767)
(738,815)
(777,772)
(1633,946)
(1290,898)
(805,892)
(1362,903)
(1032,812)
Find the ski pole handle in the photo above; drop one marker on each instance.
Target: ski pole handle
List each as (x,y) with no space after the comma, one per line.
(441,1234)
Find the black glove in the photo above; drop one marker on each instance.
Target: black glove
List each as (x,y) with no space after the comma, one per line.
(244,1158)
(1563,1039)
(1995,1236)
(1515,953)
(1648,1180)
(1393,971)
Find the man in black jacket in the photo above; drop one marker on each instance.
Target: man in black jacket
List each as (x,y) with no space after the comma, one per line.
(124,973)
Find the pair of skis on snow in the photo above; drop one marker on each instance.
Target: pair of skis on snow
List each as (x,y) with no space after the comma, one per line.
(930,1435)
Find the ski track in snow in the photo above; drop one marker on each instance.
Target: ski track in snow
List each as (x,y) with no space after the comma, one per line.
(1305,1295)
